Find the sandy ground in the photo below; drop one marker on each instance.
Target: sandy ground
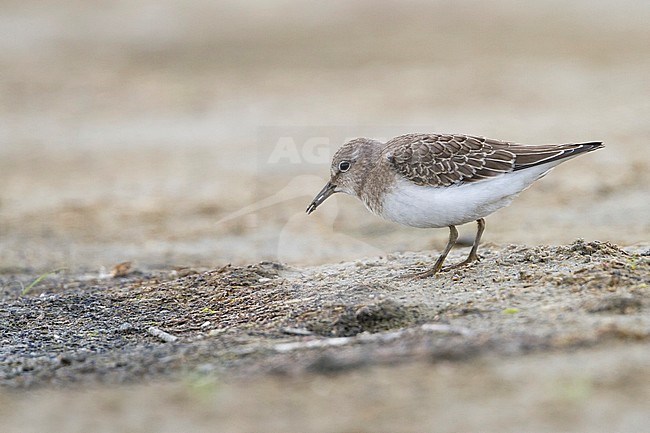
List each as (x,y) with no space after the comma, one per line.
(545,337)
(186,138)
(587,390)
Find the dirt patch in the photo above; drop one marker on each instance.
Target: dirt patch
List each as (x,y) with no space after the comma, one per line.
(349,320)
(273,318)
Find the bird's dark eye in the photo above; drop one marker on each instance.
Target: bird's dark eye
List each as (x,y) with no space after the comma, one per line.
(344,166)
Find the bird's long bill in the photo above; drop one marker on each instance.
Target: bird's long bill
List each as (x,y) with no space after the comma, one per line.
(327,191)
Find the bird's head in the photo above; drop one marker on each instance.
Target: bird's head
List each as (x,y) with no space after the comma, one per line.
(349,167)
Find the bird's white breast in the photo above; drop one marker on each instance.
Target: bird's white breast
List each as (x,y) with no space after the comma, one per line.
(432,207)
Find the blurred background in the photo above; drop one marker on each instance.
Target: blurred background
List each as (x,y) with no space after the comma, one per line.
(195,133)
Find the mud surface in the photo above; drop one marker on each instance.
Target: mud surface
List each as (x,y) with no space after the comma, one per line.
(158,272)
(242,321)
(570,322)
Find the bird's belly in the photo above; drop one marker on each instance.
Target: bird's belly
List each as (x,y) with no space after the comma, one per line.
(432,207)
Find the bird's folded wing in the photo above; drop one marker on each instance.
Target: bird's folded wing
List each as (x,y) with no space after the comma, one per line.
(444,160)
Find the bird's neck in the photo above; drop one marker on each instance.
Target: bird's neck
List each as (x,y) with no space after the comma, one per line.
(374,181)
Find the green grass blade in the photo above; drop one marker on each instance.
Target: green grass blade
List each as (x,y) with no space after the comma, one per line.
(38,280)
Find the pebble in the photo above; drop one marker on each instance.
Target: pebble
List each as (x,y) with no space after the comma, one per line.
(125,327)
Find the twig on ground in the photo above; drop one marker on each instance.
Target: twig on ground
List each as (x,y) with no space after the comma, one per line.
(365,337)
(164,336)
(296,331)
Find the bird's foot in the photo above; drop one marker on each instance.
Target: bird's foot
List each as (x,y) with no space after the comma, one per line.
(437,268)
(466,262)
(422,275)
(425,274)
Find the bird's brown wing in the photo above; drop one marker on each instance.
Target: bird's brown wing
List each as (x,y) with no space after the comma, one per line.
(446,159)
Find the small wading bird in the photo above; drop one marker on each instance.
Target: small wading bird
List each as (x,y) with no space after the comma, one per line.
(441,180)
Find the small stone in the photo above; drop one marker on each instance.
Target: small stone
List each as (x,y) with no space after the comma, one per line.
(125,327)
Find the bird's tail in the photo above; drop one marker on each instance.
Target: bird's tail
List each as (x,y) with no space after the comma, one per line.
(530,156)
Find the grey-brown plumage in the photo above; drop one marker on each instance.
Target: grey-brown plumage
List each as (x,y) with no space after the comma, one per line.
(445,160)
(441,180)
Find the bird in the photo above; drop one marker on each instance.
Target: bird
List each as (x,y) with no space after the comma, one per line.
(441,180)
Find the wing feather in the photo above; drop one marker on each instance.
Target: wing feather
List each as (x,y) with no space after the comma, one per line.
(450,159)
(444,160)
